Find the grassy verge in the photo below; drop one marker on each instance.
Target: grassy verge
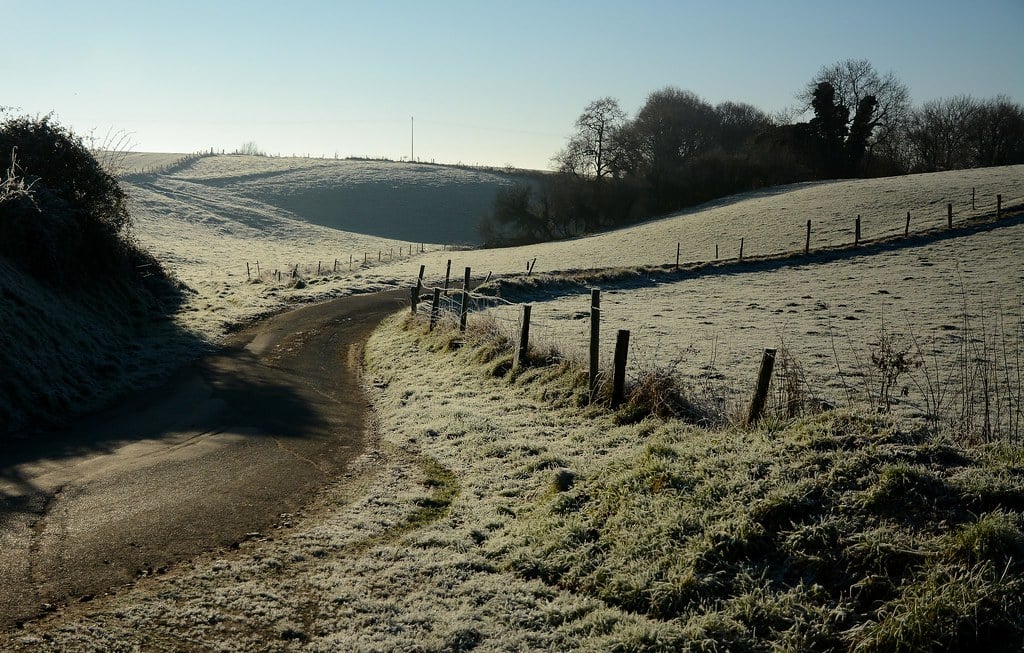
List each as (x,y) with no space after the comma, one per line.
(833,532)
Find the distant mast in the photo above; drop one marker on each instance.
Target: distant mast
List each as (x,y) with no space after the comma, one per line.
(412,134)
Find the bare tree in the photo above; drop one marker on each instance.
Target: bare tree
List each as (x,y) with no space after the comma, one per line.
(589,151)
(997,133)
(938,134)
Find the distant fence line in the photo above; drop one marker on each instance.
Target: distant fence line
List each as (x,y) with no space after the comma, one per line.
(859,233)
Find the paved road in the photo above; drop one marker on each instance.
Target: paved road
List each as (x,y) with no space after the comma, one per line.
(222,450)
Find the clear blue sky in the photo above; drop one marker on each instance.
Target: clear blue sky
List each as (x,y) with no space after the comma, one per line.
(491,83)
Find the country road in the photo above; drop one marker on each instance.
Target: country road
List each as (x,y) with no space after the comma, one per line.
(225,448)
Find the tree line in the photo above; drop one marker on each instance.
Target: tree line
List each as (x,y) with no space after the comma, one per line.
(679,150)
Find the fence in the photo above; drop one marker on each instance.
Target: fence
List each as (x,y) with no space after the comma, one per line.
(450,307)
(836,237)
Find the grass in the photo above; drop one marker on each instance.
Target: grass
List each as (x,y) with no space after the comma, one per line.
(829,532)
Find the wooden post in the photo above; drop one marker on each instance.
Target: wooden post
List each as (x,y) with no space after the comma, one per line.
(364,258)
(414,300)
(247,275)
(447,276)
(349,262)
(419,284)
(465,302)
(856,232)
(972,198)
(595,339)
(716,251)
(335,265)
(741,249)
(318,268)
(434,308)
(259,275)
(619,379)
(529,266)
(524,337)
(678,246)
(949,215)
(807,242)
(379,254)
(764,378)
(999,206)
(906,230)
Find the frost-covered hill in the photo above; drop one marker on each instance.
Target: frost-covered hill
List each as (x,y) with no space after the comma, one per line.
(412,202)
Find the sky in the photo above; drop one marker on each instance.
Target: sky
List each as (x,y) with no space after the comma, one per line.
(476,82)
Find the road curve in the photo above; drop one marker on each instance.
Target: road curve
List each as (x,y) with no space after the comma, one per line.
(221,450)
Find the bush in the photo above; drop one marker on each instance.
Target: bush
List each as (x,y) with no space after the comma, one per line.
(63,218)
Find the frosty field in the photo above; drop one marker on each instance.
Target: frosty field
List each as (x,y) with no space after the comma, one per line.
(411,550)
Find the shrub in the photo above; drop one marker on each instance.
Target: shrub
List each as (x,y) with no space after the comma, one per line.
(63,217)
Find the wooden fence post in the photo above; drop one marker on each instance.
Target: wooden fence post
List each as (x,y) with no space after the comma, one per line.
(414,299)
(999,206)
(678,246)
(318,268)
(619,379)
(972,198)
(419,287)
(259,275)
(524,337)
(447,276)
(741,249)
(465,302)
(595,339)
(349,262)
(949,215)
(906,230)
(856,232)
(434,308)
(764,378)
(716,251)
(807,243)
(248,277)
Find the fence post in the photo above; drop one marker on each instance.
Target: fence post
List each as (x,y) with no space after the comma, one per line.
(949,215)
(318,268)
(972,198)
(465,302)
(524,337)
(906,230)
(248,277)
(595,339)
(349,262)
(619,380)
(764,378)
(741,249)
(414,299)
(434,308)
(807,243)
(716,251)
(999,206)
(447,276)
(678,246)
(856,232)
(416,290)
